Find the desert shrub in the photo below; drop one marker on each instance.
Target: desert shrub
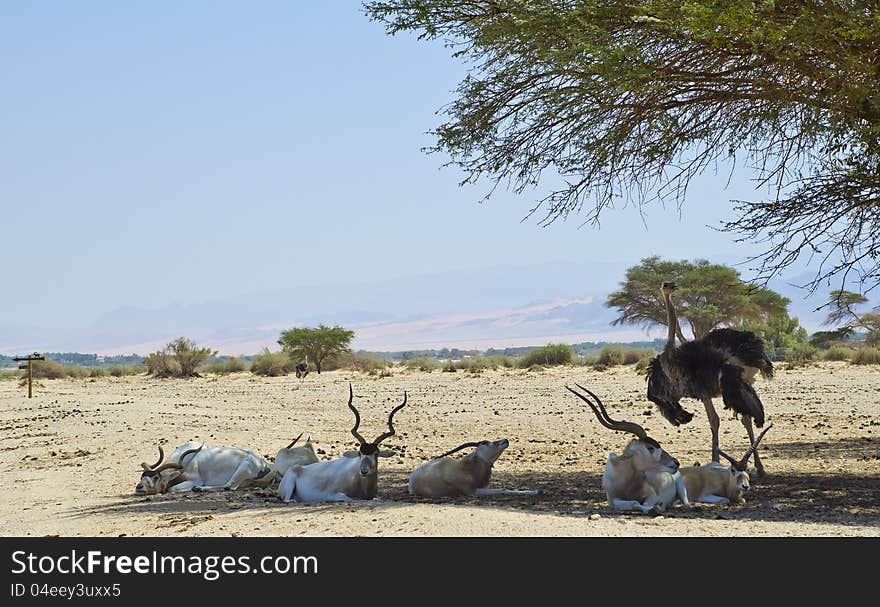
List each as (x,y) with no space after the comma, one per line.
(75,371)
(381,372)
(643,362)
(548,356)
(611,356)
(634,355)
(836,353)
(180,358)
(8,375)
(535,369)
(800,353)
(123,370)
(600,367)
(866,356)
(422,363)
(449,367)
(225,367)
(46,369)
(272,364)
(97,372)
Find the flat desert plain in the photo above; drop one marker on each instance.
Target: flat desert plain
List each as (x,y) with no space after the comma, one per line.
(70,457)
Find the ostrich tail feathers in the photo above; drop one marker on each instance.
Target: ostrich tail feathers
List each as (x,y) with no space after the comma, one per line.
(661,393)
(739,395)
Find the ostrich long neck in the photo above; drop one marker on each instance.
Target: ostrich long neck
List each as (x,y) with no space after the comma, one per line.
(671,320)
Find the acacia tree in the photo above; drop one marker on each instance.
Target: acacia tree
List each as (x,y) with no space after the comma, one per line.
(631,100)
(180,358)
(843,314)
(708,296)
(316,344)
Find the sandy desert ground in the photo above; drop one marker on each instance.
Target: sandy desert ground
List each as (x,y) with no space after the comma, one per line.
(69,457)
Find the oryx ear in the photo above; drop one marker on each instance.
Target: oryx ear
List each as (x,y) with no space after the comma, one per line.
(351,454)
(612,457)
(385,453)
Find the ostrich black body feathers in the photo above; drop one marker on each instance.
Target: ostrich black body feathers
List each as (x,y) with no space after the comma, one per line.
(716,365)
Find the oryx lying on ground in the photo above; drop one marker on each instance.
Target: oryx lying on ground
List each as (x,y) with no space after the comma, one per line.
(645,477)
(353,476)
(193,466)
(718,484)
(444,476)
(294,456)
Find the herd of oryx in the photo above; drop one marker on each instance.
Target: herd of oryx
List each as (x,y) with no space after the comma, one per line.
(644,478)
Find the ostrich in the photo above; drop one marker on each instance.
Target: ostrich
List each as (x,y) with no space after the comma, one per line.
(723,363)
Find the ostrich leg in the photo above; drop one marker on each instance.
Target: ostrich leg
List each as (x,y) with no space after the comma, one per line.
(747,422)
(714,422)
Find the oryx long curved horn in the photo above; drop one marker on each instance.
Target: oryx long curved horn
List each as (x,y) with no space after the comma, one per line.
(607,421)
(459,448)
(390,432)
(294,441)
(159,461)
(736,464)
(178,464)
(745,458)
(357,417)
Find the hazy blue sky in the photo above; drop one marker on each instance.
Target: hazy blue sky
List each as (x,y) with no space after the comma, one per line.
(179,152)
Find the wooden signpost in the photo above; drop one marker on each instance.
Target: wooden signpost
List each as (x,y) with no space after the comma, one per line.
(30,358)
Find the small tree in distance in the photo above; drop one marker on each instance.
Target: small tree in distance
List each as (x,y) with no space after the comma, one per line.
(180,358)
(316,344)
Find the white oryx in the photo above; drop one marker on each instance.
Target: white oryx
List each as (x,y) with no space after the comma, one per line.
(444,476)
(353,476)
(193,466)
(294,456)
(718,484)
(645,477)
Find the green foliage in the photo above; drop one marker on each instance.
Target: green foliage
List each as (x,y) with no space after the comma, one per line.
(836,353)
(843,304)
(708,296)
(363,363)
(422,363)
(547,356)
(47,369)
(866,356)
(272,364)
(800,353)
(611,356)
(825,339)
(641,97)
(315,345)
(180,358)
(226,366)
(125,370)
(449,367)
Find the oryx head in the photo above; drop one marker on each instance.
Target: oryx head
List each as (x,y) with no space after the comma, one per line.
(368,452)
(644,449)
(488,451)
(739,476)
(153,482)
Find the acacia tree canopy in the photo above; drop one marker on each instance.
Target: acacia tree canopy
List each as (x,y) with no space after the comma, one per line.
(629,101)
(708,296)
(316,344)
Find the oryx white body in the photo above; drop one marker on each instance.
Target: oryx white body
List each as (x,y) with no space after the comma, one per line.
(469,475)
(209,469)
(336,480)
(645,478)
(354,476)
(715,484)
(294,456)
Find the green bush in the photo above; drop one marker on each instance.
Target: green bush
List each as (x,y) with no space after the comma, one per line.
(634,355)
(481,363)
(611,356)
(180,358)
(866,356)
(800,353)
(548,356)
(643,362)
(422,363)
(123,370)
(97,372)
(46,369)
(836,353)
(225,367)
(449,367)
(272,364)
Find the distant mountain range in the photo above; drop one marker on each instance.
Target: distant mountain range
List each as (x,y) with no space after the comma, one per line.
(495,307)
